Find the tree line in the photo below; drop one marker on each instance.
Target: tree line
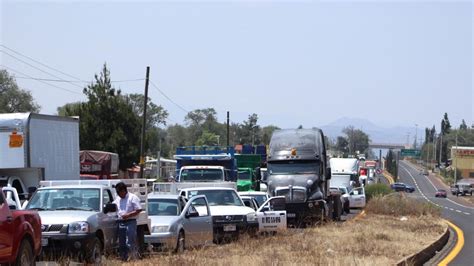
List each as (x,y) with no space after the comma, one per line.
(111,121)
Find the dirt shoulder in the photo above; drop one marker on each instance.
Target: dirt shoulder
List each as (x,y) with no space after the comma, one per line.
(372,240)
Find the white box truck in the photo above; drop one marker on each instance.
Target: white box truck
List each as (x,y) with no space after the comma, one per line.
(36,147)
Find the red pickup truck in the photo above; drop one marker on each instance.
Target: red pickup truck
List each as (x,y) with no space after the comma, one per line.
(20,235)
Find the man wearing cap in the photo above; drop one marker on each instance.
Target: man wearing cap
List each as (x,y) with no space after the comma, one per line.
(128,208)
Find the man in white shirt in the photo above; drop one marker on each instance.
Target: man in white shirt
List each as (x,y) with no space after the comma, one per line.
(128,208)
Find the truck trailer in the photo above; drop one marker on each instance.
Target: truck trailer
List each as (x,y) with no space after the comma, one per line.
(36,147)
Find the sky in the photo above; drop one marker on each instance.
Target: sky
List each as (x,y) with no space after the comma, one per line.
(395,63)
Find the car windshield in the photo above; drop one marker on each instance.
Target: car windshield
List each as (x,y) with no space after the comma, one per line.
(202,175)
(163,207)
(441,190)
(219,197)
(244,175)
(87,199)
(293,167)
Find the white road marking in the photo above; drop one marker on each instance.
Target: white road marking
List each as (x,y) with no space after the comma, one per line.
(421,192)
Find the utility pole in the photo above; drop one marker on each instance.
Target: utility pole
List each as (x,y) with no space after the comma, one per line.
(228,131)
(440,149)
(416,136)
(456,159)
(158,158)
(142,160)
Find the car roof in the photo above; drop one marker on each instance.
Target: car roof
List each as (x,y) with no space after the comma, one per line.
(207,188)
(73,187)
(162,196)
(253,193)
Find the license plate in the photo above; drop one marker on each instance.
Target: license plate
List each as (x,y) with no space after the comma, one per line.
(229,227)
(44,242)
(291,215)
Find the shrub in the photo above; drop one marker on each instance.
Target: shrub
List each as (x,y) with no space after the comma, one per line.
(397,204)
(378,189)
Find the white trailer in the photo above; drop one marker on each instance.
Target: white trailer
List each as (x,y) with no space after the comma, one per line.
(36,147)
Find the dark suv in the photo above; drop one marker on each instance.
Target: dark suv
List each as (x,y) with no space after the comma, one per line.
(402,187)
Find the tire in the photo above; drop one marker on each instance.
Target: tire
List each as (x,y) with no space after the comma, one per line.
(180,245)
(347,207)
(337,208)
(25,254)
(94,251)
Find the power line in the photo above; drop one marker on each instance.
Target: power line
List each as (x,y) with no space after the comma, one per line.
(49,84)
(46,72)
(36,61)
(169,99)
(60,80)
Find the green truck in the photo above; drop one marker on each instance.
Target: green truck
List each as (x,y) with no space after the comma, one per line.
(248,167)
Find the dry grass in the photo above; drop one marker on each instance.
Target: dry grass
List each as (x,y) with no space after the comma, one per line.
(373,240)
(398,204)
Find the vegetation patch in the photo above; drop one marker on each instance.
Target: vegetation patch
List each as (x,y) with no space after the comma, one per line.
(378,189)
(374,240)
(397,204)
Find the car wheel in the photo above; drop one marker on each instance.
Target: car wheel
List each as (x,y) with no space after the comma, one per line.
(25,254)
(93,252)
(180,245)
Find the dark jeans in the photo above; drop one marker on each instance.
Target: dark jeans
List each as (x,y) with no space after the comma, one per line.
(127,235)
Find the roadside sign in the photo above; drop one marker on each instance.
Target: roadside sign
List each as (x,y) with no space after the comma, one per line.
(378,171)
(410,152)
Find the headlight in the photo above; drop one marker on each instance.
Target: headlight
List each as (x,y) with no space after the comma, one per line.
(309,182)
(159,229)
(78,227)
(251,217)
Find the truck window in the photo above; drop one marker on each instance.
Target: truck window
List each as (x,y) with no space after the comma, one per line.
(197,175)
(19,188)
(244,175)
(221,197)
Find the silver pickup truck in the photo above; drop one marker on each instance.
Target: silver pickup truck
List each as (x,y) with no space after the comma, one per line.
(79,218)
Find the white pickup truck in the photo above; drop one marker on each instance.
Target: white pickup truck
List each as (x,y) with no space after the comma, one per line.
(79,218)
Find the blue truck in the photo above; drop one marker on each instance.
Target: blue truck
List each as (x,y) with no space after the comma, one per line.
(205,164)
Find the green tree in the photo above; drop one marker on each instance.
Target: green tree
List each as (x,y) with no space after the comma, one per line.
(342,146)
(107,120)
(207,139)
(200,120)
(251,130)
(463,125)
(156,114)
(267,133)
(445,125)
(357,140)
(12,98)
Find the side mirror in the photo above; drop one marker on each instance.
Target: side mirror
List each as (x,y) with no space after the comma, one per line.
(328,173)
(192,213)
(110,207)
(258,175)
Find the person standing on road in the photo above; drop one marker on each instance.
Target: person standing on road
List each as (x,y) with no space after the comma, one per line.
(128,208)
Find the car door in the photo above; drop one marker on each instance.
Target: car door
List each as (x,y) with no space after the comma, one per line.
(6,229)
(198,230)
(272,215)
(108,221)
(357,198)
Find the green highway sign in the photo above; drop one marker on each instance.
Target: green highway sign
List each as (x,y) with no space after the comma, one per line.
(410,152)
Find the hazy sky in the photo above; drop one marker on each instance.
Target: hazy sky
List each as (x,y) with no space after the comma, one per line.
(292,63)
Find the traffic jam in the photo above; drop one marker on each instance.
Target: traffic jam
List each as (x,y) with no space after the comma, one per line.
(212,194)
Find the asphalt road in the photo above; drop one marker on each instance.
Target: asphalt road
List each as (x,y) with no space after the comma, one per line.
(453,209)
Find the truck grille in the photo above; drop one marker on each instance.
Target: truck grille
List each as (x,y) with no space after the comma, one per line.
(299,194)
(62,228)
(228,218)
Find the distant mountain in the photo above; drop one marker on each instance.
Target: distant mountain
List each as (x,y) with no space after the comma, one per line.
(376,133)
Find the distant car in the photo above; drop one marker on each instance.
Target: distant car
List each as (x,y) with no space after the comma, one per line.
(402,187)
(176,224)
(441,193)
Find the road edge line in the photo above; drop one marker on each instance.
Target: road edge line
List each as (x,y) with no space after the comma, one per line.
(457,248)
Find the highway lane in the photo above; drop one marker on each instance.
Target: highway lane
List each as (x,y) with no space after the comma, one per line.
(453,210)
